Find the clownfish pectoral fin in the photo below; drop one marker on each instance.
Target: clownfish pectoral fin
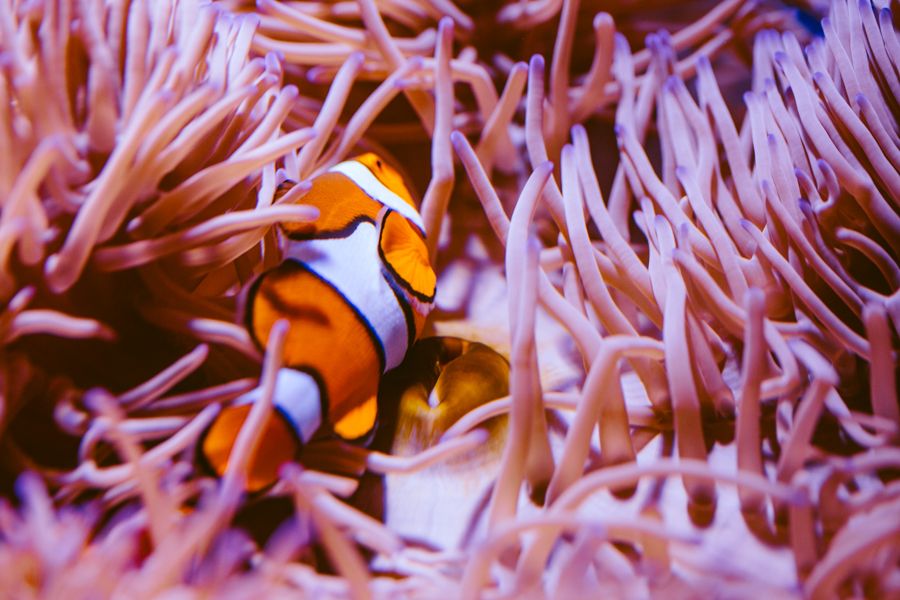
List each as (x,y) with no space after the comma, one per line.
(359,422)
(405,256)
(296,416)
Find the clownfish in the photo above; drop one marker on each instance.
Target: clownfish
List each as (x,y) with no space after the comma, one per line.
(356,286)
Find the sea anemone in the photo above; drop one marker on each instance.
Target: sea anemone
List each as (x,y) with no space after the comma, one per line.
(683,237)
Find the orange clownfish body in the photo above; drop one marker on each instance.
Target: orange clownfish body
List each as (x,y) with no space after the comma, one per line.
(356,286)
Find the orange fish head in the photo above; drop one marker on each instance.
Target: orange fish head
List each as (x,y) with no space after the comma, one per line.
(387,175)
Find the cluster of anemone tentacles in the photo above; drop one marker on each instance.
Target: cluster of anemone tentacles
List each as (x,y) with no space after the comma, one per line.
(695,205)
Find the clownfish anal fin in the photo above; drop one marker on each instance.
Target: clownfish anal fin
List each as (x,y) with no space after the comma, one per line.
(278,444)
(359,422)
(403,251)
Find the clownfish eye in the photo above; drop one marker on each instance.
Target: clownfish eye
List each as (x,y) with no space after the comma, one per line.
(378,164)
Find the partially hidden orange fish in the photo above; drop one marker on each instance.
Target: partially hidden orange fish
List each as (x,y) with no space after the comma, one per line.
(355,286)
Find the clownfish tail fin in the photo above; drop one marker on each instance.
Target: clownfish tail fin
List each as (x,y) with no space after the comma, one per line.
(296,416)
